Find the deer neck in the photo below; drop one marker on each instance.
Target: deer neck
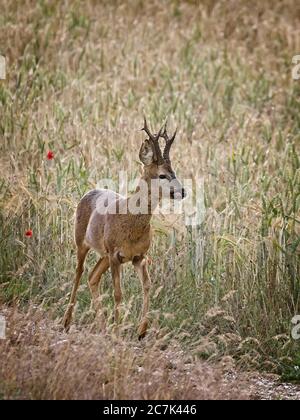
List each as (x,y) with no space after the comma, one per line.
(146,199)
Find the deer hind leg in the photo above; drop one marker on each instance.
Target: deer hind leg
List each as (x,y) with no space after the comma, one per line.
(140,265)
(81,255)
(115,266)
(94,280)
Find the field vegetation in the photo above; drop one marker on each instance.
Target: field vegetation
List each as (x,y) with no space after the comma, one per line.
(80,76)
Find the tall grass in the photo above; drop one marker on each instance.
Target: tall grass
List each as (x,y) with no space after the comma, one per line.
(79,77)
(39,362)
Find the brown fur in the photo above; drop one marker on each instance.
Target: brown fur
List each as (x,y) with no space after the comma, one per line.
(118,238)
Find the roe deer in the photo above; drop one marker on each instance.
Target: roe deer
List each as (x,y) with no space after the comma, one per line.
(122,236)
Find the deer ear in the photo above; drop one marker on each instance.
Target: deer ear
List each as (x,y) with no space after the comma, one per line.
(146,153)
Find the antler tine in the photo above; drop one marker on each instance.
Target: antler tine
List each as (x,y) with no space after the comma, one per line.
(146,129)
(159,155)
(154,138)
(169,142)
(164,134)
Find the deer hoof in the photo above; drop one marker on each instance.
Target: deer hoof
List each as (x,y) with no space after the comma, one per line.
(142,331)
(67,319)
(66,325)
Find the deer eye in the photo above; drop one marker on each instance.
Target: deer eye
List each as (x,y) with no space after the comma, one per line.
(162,177)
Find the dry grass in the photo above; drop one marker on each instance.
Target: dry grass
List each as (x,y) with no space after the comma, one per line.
(39,362)
(80,75)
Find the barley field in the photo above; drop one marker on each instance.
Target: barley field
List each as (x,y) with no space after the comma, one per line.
(80,75)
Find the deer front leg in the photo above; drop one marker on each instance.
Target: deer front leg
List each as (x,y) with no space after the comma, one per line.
(140,265)
(115,266)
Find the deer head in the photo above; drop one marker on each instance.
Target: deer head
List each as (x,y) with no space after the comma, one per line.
(157,164)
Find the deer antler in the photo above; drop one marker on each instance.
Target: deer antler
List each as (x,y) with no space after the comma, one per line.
(154,138)
(169,142)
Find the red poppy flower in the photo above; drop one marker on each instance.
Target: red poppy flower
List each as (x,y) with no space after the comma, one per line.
(29,233)
(50,155)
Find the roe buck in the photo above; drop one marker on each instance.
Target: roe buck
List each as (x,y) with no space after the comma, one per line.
(122,236)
